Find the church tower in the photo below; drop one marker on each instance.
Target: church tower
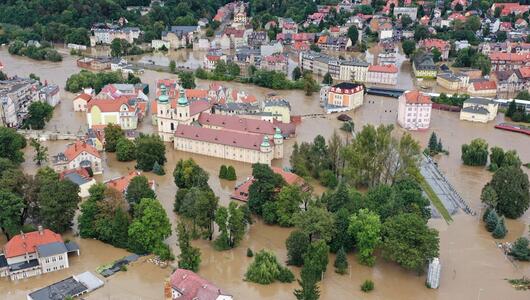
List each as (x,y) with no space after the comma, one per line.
(278,143)
(183,108)
(164,114)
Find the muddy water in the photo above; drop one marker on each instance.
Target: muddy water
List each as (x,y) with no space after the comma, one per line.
(472,264)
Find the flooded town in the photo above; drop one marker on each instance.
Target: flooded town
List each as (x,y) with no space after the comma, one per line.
(223,122)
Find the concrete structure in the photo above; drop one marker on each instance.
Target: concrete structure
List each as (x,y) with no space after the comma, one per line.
(412,12)
(271,48)
(73,286)
(276,62)
(433,274)
(34,253)
(385,74)
(414,110)
(344,96)
(160,44)
(423,66)
(180,36)
(187,285)
(502,61)
(78,155)
(479,110)
(16,95)
(94,64)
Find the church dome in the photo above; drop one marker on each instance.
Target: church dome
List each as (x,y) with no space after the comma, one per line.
(182,97)
(163,98)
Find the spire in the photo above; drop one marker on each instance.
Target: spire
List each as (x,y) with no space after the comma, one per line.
(278,134)
(265,142)
(182,97)
(163,98)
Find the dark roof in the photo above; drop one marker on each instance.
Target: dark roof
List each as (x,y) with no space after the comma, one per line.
(424,62)
(51,249)
(477,100)
(59,290)
(346,85)
(475,110)
(76,178)
(3,261)
(24,265)
(71,246)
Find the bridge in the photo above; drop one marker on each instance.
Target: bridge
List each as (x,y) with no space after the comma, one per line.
(48,135)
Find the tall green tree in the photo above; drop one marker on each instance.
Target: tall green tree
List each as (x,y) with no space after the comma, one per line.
(11,143)
(188,174)
(315,223)
(297,74)
(408,47)
(232,224)
(189,257)
(288,204)
(316,258)
(520,249)
(512,189)
(297,244)
(264,188)
(476,153)
(341,262)
(199,205)
(113,134)
(138,189)
(11,212)
(39,113)
(125,149)
(353,35)
(365,226)
(327,79)
(150,226)
(308,284)
(408,241)
(41,152)
(149,149)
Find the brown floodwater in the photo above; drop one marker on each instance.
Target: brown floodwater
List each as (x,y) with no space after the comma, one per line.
(472,265)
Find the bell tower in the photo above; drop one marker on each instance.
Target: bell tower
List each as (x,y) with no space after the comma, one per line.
(183,108)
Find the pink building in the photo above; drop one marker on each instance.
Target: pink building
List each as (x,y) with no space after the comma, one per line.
(414,110)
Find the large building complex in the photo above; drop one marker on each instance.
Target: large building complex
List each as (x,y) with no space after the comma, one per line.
(414,110)
(16,95)
(34,253)
(107,35)
(339,69)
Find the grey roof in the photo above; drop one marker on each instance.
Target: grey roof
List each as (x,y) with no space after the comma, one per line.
(424,62)
(71,246)
(24,265)
(51,249)
(277,102)
(475,110)
(449,77)
(59,290)
(76,178)
(89,280)
(481,101)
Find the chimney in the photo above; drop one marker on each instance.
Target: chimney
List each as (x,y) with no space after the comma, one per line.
(41,231)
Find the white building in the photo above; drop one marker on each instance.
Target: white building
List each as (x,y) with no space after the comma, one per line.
(106,36)
(158,44)
(479,110)
(433,275)
(16,95)
(78,155)
(414,110)
(34,253)
(50,94)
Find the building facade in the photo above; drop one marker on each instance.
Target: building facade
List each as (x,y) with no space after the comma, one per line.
(78,155)
(344,96)
(414,110)
(385,74)
(479,110)
(34,253)
(424,67)
(16,95)
(184,284)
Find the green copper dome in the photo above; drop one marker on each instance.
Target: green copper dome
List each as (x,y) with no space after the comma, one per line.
(182,97)
(278,133)
(163,98)
(265,142)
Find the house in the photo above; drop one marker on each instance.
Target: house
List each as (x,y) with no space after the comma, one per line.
(339,69)
(81,101)
(115,90)
(35,253)
(414,110)
(382,74)
(94,64)
(124,111)
(187,285)
(78,155)
(109,33)
(257,38)
(423,66)
(271,48)
(334,43)
(81,178)
(180,36)
(483,88)
(122,183)
(49,93)
(279,108)
(521,24)
(241,190)
(276,62)
(344,96)
(510,8)
(73,286)
(479,110)
(512,81)
(160,44)
(501,61)
(412,12)
(211,59)
(443,46)
(453,82)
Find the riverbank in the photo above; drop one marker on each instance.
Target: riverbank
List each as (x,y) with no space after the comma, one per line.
(470,260)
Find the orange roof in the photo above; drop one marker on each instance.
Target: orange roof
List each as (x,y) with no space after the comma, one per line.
(121,183)
(110,105)
(27,243)
(484,85)
(322,39)
(509,56)
(196,93)
(73,150)
(416,97)
(83,96)
(437,43)
(289,177)
(525,72)
(383,68)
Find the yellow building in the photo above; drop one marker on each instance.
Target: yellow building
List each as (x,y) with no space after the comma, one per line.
(479,110)
(122,111)
(424,67)
(452,82)
(280,109)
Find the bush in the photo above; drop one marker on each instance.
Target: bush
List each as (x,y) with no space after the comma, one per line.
(265,268)
(367,286)
(123,268)
(231,173)
(249,252)
(222,172)
(520,250)
(285,275)
(328,179)
(164,252)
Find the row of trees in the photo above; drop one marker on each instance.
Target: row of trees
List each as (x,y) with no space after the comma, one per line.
(149,151)
(454,100)
(136,221)
(222,71)
(228,173)
(476,154)
(44,52)
(86,79)
(518,112)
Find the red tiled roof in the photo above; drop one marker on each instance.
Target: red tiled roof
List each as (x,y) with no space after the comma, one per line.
(434,43)
(383,68)
(110,105)
(484,85)
(236,123)
(199,106)
(240,139)
(509,56)
(196,93)
(73,150)
(193,287)
(121,183)
(416,97)
(27,243)
(525,72)
(83,96)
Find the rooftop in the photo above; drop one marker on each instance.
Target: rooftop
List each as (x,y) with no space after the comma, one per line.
(24,243)
(193,287)
(240,139)
(416,97)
